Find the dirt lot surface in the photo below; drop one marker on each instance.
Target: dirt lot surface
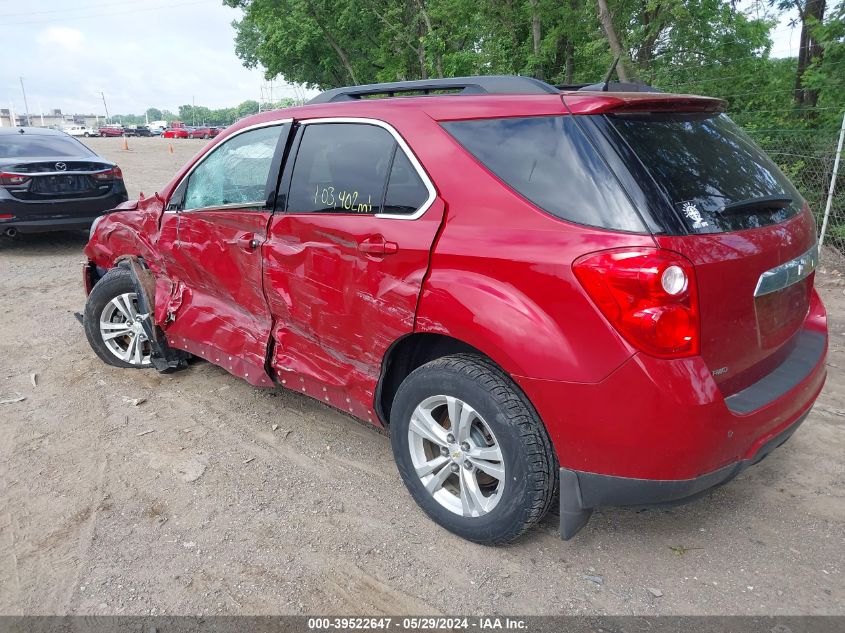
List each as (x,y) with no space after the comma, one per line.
(188,502)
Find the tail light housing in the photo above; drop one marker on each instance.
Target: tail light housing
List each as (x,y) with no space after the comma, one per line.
(13,180)
(649,295)
(110,174)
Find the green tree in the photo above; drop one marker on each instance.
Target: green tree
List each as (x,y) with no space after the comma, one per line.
(246,108)
(328,43)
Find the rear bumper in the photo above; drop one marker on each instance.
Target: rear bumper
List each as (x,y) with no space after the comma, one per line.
(668,419)
(658,431)
(44,226)
(581,492)
(57,215)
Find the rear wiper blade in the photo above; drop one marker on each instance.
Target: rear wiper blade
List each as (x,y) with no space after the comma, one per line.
(757,204)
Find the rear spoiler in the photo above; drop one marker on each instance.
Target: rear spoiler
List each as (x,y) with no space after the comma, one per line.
(626,103)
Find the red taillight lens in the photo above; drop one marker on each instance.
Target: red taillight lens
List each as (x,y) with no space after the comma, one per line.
(648,295)
(13,179)
(109,174)
(6,216)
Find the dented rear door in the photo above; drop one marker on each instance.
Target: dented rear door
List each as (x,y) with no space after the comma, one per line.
(345,263)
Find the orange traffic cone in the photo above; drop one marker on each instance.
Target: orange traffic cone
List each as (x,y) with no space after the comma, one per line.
(125,143)
(170,147)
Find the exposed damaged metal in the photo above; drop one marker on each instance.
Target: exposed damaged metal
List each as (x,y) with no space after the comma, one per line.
(163,357)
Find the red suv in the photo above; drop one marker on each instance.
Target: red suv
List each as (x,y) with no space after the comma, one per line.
(111,130)
(597,293)
(199,132)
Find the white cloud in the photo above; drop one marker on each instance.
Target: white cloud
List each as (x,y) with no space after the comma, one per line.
(140,54)
(64,37)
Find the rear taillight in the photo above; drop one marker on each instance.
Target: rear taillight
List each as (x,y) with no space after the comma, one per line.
(13,179)
(6,216)
(110,174)
(648,295)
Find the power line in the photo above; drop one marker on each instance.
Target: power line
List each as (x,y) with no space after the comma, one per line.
(74,8)
(712,79)
(738,40)
(784,110)
(105,15)
(731,60)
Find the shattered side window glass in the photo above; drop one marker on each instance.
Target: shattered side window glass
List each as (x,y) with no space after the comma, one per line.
(236,172)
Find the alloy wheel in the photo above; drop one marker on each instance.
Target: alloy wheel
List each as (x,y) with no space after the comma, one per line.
(122,330)
(456,456)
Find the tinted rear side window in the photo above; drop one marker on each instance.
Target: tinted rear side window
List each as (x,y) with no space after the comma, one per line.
(705,163)
(341,168)
(550,162)
(405,191)
(40,146)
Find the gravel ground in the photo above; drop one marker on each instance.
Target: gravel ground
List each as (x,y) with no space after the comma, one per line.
(188,502)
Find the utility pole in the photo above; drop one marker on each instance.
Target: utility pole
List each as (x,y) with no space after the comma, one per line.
(25,104)
(193,111)
(103,96)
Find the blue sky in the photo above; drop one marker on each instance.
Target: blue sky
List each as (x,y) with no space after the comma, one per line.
(145,53)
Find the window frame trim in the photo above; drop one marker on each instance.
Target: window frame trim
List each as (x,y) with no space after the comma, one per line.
(234,205)
(402,144)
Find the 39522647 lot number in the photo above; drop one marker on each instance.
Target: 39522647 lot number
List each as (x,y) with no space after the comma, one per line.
(409,623)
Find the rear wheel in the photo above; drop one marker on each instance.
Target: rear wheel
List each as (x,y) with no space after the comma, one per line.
(471,449)
(113,324)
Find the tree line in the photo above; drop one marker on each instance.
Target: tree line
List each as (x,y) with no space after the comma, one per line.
(201,115)
(704,46)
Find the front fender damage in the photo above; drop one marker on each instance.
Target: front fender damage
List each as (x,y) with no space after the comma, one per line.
(163,357)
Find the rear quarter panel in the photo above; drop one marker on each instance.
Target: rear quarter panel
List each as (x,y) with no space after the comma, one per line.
(501,277)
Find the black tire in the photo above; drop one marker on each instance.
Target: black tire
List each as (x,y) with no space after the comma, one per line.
(86,135)
(529,460)
(116,282)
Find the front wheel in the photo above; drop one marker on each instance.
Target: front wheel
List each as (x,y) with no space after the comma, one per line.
(113,325)
(471,449)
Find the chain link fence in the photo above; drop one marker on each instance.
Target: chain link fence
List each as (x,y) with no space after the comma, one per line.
(807,157)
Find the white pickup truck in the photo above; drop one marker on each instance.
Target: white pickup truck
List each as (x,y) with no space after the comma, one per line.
(80,130)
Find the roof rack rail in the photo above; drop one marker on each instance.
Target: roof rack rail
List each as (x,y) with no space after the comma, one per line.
(570,86)
(618,86)
(489,84)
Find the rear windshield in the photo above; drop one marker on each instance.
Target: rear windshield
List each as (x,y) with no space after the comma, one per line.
(714,175)
(40,146)
(549,161)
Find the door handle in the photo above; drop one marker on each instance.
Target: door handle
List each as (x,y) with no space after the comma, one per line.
(377,245)
(248,242)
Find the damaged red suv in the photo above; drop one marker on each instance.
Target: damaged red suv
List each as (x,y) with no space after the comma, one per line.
(596,293)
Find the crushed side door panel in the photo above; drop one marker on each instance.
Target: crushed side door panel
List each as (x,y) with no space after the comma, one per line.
(211,302)
(337,310)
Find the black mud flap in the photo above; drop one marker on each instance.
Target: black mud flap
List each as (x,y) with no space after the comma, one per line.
(573,514)
(163,358)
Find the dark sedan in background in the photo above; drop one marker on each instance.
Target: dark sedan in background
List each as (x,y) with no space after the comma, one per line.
(49,181)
